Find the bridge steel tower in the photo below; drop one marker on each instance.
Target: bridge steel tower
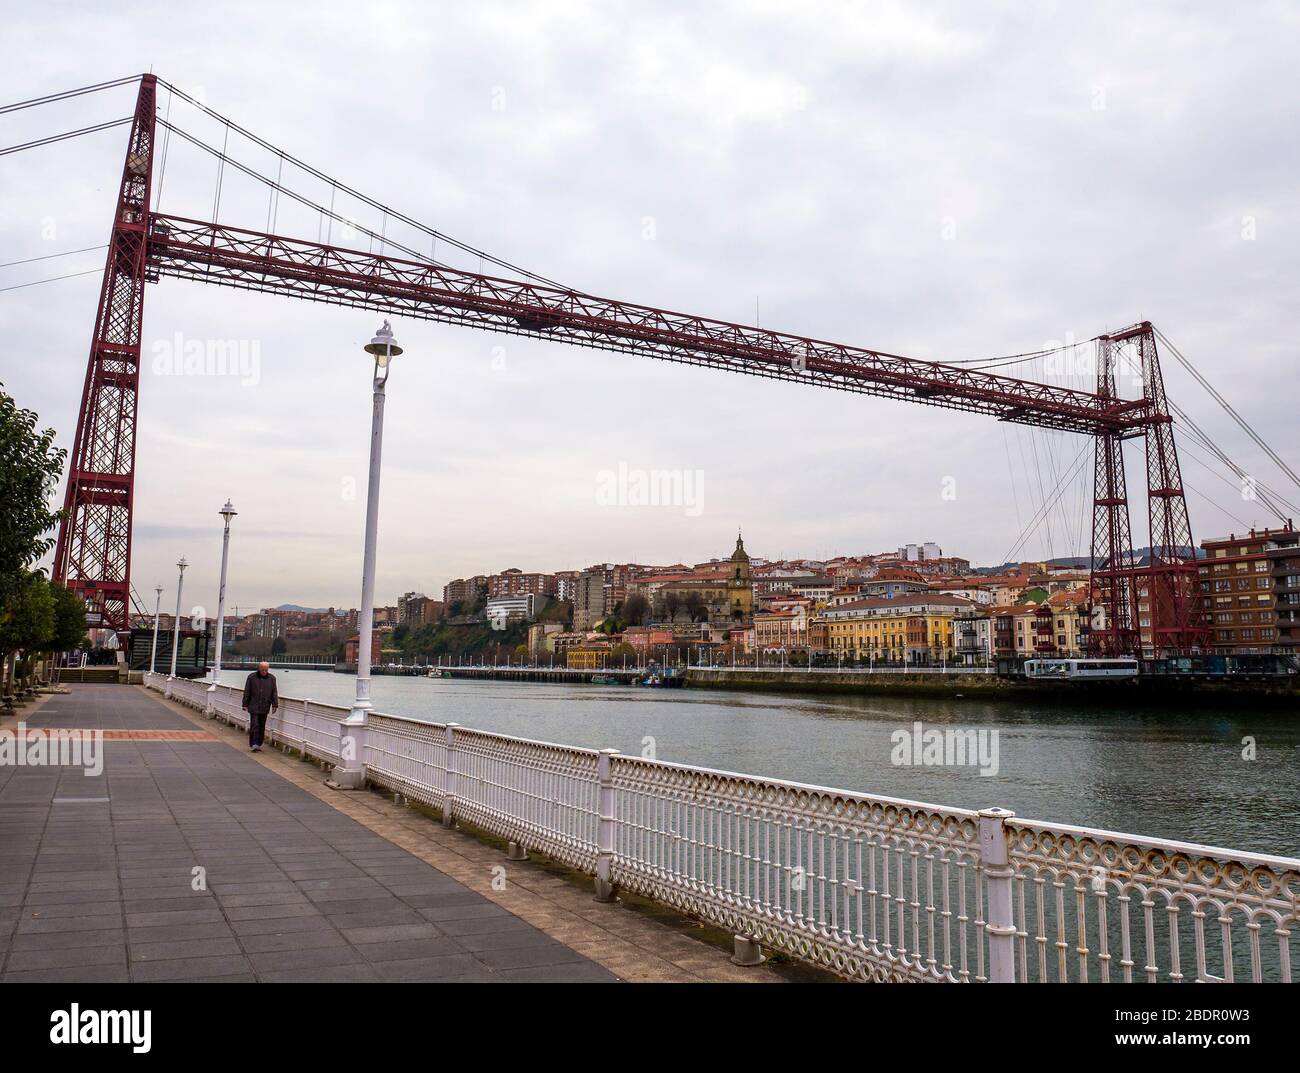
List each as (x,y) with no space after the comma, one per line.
(1152,609)
(93,554)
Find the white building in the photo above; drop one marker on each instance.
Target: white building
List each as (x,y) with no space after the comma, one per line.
(918,553)
(501,611)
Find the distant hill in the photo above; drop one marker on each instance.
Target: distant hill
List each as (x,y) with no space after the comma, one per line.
(296,607)
(1081,562)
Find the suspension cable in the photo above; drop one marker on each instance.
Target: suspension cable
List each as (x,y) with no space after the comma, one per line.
(1270,496)
(51,279)
(1227,407)
(1048,503)
(64,136)
(48,256)
(18,106)
(294,195)
(316,173)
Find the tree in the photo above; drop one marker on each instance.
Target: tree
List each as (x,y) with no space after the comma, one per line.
(30,466)
(27,622)
(635,610)
(279,647)
(672,604)
(69,620)
(696,610)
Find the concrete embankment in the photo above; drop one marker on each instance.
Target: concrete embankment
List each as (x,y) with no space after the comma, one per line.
(1270,691)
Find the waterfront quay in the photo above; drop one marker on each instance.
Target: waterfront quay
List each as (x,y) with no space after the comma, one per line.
(189,859)
(864,886)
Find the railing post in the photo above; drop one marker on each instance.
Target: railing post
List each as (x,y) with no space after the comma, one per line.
(449,791)
(350,773)
(998,873)
(605,827)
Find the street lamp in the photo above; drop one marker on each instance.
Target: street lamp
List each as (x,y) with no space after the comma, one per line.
(181,564)
(350,772)
(157,608)
(227,512)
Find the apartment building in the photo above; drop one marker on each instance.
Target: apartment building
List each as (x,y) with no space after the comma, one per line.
(590,598)
(514,582)
(911,628)
(464,590)
(1250,591)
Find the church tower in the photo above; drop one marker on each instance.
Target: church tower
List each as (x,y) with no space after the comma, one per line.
(740,585)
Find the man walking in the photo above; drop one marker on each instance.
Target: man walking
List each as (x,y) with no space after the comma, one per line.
(260,697)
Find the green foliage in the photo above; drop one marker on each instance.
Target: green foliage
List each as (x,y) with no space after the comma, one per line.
(557,611)
(69,620)
(27,620)
(30,466)
(439,639)
(279,647)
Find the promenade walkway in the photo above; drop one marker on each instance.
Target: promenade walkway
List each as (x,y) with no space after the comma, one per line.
(191,859)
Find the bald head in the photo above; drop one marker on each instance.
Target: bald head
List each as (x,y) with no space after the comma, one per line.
(263,667)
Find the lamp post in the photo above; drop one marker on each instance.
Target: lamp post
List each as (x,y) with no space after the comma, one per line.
(227,512)
(350,773)
(157,609)
(181,564)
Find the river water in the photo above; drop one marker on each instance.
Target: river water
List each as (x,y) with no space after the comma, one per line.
(1161,773)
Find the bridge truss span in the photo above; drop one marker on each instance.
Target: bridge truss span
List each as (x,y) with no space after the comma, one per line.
(213,253)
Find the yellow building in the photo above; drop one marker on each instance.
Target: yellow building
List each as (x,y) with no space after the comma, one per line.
(915,628)
(587,658)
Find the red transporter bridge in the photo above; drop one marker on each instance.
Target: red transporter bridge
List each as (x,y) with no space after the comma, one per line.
(94,546)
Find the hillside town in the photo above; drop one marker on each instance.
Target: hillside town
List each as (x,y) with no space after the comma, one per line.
(913,606)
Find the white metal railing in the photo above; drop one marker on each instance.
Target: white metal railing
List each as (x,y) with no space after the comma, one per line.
(872,888)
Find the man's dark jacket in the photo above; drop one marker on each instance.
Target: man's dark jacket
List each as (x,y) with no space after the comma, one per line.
(259,694)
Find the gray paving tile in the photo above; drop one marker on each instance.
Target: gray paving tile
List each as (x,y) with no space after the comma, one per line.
(162,933)
(360,973)
(82,974)
(189,968)
(296,940)
(54,940)
(410,948)
(526,957)
(173,949)
(387,933)
(65,957)
(319,957)
(432,969)
(575,973)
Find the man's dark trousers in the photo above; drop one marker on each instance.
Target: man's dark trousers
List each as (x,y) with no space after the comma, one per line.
(256,727)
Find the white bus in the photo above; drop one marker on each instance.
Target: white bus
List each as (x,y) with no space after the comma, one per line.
(1081,668)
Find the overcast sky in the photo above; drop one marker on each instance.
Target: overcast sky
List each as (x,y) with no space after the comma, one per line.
(944,181)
